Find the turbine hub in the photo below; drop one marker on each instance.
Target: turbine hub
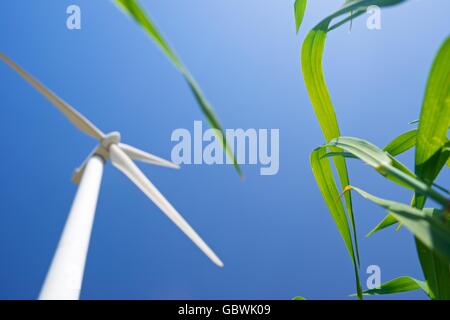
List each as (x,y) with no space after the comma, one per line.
(110,138)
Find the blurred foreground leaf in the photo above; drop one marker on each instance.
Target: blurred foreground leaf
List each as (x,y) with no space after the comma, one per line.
(134,10)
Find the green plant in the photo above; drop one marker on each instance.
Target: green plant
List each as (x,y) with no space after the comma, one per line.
(430,226)
(137,12)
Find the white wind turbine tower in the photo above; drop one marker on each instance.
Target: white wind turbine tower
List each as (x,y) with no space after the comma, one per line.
(64,278)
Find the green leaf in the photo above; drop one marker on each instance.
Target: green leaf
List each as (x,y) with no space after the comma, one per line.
(429,225)
(386,165)
(134,10)
(311,59)
(431,156)
(299,10)
(435,115)
(364,150)
(312,52)
(388,220)
(324,177)
(395,163)
(299,298)
(435,269)
(402,143)
(397,285)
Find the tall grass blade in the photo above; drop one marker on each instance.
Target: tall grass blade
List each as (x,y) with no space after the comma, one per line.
(435,115)
(135,10)
(430,153)
(324,176)
(312,52)
(311,59)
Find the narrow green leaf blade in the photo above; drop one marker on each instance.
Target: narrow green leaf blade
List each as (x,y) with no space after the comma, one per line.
(324,177)
(134,10)
(364,150)
(397,285)
(311,60)
(402,143)
(431,156)
(429,225)
(435,115)
(312,52)
(299,11)
(353,9)
(386,165)
(388,221)
(435,269)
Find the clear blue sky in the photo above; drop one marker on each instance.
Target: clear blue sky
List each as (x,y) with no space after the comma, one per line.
(274,233)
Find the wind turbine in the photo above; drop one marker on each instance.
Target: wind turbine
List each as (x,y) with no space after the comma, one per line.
(65,276)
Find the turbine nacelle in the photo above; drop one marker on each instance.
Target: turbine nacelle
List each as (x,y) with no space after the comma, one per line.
(104,151)
(110,138)
(101,150)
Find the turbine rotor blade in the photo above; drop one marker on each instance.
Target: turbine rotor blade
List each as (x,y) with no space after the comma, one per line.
(122,162)
(136,154)
(73,115)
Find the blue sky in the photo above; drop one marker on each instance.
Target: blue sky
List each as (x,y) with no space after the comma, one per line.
(273,233)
